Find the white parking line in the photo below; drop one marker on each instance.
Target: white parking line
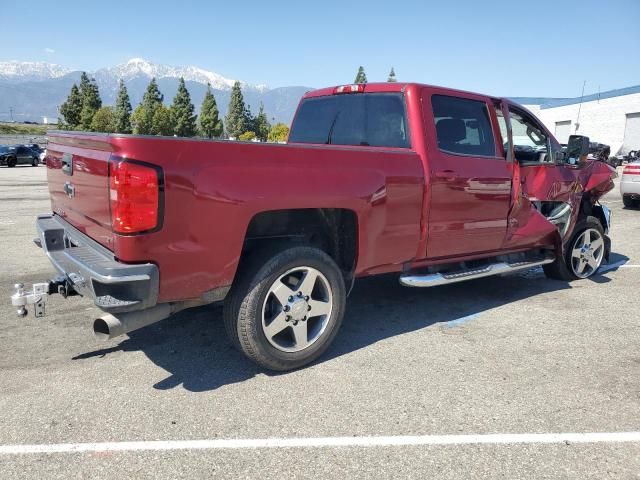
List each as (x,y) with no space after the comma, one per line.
(613,266)
(327,442)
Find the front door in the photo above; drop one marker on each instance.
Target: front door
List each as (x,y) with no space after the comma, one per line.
(470,182)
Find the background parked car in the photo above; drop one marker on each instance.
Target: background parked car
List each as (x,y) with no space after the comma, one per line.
(19,155)
(630,185)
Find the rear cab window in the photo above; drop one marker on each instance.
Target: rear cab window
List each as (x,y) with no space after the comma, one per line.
(360,119)
(463,126)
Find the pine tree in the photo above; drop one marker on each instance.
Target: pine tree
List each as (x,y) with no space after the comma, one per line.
(210,123)
(71,109)
(182,112)
(392,76)
(91,101)
(122,112)
(163,122)
(361,77)
(249,120)
(236,120)
(142,117)
(261,125)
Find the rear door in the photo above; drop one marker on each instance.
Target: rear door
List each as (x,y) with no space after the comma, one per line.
(24,155)
(470,190)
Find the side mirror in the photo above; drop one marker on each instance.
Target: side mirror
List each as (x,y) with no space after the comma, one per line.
(577,148)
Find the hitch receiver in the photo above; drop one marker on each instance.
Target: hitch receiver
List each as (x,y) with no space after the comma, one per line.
(39,294)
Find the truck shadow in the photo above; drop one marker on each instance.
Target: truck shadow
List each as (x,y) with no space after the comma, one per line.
(192,345)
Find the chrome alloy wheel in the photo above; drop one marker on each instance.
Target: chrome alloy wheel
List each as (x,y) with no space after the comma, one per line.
(297,309)
(587,253)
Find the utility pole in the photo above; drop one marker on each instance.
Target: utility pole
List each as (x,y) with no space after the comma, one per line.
(11,114)
(580,107)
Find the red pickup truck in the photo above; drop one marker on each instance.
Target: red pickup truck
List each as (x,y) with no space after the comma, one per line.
(436,185)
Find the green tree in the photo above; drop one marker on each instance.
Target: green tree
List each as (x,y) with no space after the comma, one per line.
(91,101)
(210,123)
(104,120)
(247,136)
(71,109)
(236,120)
(142,117)
(182,112)
(122,113)
(392,76)
(361,77)
(163,122)
(261,125)
(278,133)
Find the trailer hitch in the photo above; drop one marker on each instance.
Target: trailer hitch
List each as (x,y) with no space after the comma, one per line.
(39,294)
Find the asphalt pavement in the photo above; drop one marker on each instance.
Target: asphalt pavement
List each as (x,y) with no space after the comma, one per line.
(504,355)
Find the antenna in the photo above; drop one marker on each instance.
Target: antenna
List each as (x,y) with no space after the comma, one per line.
(580,107)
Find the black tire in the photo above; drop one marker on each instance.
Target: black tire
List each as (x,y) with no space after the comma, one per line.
(243,307)
(34,162)
(12,162)
(561,269)
(629,202)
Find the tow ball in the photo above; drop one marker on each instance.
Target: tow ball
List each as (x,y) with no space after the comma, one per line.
(38,295)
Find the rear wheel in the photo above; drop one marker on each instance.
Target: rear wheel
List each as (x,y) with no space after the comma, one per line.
(285,311)
(584,253)
(12,162)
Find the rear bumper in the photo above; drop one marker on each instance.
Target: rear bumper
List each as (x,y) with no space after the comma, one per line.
(93,271)
(629,188)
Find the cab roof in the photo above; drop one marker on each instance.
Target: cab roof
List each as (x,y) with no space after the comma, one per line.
(385,87)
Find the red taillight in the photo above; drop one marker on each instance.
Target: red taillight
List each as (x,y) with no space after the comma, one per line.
(134,191)
(356,88)
(631,169)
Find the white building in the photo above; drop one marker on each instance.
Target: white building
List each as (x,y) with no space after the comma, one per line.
(611,117)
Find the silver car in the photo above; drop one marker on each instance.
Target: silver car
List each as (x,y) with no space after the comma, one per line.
(630,185)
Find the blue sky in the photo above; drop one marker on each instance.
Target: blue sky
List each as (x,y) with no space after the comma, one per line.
(512,48)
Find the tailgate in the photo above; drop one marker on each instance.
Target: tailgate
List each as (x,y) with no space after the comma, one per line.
(78,177)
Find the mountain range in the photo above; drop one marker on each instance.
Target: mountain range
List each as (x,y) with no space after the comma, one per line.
(30,91)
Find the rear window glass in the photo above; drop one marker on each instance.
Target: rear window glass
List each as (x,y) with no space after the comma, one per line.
(372,119)
(463,126)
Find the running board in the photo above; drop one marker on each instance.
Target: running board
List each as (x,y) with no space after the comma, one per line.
(435,279)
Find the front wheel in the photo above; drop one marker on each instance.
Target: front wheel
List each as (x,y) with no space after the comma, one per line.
(34,162)
(285,310)
(584,253)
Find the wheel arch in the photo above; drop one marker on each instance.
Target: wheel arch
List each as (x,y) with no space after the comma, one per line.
(332,230)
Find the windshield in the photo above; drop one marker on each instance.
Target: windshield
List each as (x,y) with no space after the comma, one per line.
(373,119)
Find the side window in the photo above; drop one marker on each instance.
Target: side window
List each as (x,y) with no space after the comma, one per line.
(463,126)
(530,143)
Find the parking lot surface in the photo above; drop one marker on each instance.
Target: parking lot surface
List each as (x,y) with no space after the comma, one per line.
(503,355)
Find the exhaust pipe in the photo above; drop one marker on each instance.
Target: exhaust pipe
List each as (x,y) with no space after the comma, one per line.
(109,326)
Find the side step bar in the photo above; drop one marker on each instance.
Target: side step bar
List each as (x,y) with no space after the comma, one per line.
(435,279)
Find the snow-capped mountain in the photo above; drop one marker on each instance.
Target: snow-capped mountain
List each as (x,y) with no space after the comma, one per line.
(21,71)
(137,67)
(32,90)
